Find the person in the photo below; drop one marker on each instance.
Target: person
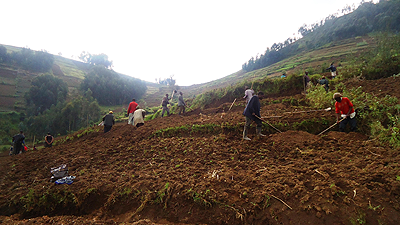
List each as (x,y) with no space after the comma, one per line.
(324,82)
(332,68)
(345,109)
(108,121)
(283,75)
(131,109)
(306,80)
(19,142)
(181,103)
(164,104)
(48,140)
(248,93)
(138,117)
(252,112)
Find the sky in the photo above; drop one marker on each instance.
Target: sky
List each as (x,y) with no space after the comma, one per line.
(193,41)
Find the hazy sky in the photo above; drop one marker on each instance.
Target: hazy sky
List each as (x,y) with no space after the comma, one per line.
(196,41)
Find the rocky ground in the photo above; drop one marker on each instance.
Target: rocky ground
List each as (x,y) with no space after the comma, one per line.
(197,169)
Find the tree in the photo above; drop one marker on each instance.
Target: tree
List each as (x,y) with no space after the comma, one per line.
(46,90)
(100,59)
(110,88)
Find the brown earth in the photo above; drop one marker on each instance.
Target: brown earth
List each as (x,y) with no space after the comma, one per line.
(197,169)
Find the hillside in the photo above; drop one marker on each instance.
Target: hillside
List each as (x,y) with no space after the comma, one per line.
(196,169)
(15,81)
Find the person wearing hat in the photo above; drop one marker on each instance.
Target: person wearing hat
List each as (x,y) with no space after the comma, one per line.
(248,93)
(48,140)
(164,103)
(252,113)
(324,82)
(345,109)
(108,121)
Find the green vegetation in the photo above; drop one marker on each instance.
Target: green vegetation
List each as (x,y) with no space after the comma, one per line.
(35,61)
(109,88)
(45,91)
(367,18)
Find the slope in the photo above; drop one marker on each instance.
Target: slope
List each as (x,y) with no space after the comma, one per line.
(196,169)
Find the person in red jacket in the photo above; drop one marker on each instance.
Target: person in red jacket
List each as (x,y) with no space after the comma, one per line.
(131,109)
(345,109)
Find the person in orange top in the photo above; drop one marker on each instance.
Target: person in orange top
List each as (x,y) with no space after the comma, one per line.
(345,109)
(131,109)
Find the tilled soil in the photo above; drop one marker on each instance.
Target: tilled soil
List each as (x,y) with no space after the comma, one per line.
(197,169)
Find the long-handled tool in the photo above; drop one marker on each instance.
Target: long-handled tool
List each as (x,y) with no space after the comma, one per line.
(232,104)
(332,126)
(316,110)
(268,124)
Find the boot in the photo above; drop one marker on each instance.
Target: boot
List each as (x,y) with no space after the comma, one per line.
(259,134)
(245,134)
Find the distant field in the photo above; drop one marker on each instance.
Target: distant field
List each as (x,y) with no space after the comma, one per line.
(7,103)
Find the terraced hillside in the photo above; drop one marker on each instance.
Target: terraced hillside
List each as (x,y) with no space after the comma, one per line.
(197,169)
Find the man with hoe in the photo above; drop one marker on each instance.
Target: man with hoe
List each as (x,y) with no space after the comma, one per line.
(109,121)
(345,109)
(252,113)
(131,109)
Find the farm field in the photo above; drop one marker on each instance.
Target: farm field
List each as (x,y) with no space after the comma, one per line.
(197,169)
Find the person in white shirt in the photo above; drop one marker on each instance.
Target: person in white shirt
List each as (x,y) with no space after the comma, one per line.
(138,117)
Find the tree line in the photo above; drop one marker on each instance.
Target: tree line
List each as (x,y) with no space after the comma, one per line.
(35,61)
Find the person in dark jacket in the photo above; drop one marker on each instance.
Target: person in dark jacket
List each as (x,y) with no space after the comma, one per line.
(324,82)
(251,112)
(19,142)
(332,68)
(108,121)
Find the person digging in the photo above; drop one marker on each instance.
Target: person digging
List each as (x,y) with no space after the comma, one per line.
(252,113)
(345,109)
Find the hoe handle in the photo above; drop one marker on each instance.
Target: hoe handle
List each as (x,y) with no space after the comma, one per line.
(332,126)
(268,124)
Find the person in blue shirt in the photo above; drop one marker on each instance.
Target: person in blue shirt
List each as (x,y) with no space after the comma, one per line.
(251,112)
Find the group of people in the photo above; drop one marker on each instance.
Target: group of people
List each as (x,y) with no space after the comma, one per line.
(344,108)
(165,102)
(323,81)
(136,115)
(19,146)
